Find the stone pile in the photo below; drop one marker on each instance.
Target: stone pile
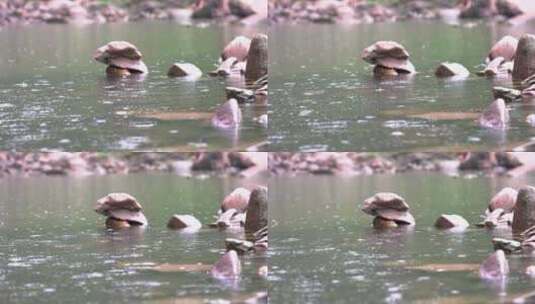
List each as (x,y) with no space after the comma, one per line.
(122,59)
(389,210)
(121,210)
(389,59)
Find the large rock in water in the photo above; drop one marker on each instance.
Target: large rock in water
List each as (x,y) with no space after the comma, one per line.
(505,47)
(227,267)
(496,116)
(505,199)
(524,58)
(257,58)
(237,48)
(228,115)
(257,211)
(524,210)
(121,54)
(123,207)
(494,267)
(237,199)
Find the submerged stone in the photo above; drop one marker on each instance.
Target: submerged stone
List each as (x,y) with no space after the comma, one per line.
(182,267)
(451,69)
(184,70)
(184,221)
(451,221)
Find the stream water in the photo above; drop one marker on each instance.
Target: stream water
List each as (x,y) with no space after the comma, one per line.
(54,247)
(323,249)
(324,96)
(54,96)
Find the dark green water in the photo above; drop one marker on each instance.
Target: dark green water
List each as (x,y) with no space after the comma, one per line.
(53,95)
(324,250)
(325,98)
(54,248)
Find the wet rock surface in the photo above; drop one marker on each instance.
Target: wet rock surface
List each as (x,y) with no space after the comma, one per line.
(505,199)
(257,58)
(257,210)
(227,267)
(495,267)
(505,48)
(237,199)
(507,94)
(524,210)
(229,219)
(496,116)
(524,58)
(227,115)
(237,48)
(508,246)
